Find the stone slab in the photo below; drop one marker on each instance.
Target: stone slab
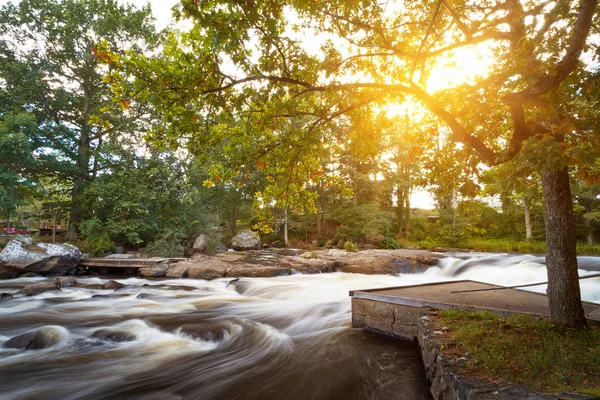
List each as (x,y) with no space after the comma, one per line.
(440,295)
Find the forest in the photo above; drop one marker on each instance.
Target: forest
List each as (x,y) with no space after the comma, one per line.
(126,137)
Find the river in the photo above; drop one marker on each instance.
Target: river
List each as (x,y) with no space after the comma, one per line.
(262,338)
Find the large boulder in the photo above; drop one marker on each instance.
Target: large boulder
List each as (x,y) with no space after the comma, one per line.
(40,257)
(246,240)
(200,245)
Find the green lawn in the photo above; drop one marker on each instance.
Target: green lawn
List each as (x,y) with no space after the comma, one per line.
(526,350)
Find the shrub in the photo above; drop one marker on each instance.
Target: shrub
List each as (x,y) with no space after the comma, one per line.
(420,228)
(358,222)
(96,240)
(168,244)
(389,243)
(350,246)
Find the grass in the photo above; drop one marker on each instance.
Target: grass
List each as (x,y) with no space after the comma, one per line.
(526,350)
(508,245)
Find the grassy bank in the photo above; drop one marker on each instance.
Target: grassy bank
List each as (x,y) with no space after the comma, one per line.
(526,350)
(506,245)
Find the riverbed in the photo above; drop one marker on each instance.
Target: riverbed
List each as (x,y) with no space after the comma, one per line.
(286,337)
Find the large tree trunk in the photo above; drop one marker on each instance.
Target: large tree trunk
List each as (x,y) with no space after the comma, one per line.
(83,166)
(76,212)
(564,295)
(232,223)
(527,211)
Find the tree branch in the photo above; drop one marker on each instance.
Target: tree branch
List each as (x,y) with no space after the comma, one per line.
(569,60)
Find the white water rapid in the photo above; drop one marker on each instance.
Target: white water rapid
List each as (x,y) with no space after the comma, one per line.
(263,338)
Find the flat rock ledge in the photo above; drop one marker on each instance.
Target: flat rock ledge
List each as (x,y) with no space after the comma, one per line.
(264,263)
(448,384)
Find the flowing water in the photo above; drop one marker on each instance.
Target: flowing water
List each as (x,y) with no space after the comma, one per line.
(276,338)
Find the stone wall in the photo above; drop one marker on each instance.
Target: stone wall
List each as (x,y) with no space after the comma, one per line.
(390,319)
(442,370)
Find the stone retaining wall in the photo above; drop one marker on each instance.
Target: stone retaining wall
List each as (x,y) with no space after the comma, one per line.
(442,371)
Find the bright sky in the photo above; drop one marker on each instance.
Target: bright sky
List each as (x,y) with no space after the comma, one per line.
(161,9)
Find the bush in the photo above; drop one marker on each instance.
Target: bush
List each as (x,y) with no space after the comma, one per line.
(420,228)
(389,243)
(168,244)
(96,240)
(350,246)
(358,222)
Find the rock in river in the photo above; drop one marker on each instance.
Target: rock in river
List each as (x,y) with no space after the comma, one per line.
(113,336)
(37,288)
(112,285)
(36,339)
(40,257)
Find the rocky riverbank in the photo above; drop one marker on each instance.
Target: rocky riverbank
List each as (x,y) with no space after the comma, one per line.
(23,258)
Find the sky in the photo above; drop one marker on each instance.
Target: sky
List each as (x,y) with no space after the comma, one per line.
(161,9)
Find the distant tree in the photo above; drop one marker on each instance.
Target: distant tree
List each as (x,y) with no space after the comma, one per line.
(18,166)
(50,70)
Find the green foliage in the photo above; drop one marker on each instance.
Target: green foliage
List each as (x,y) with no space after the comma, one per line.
(168,244)
(420,228)
(51,76)
(389,242)
(139,198)
(350,246)
(358,222)
(96,239)
(525,350)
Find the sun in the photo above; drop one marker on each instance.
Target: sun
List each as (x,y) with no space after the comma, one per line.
(464,65)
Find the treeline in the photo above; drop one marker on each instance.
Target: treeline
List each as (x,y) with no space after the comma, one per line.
(152,162)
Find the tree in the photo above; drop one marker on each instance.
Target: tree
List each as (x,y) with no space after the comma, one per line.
(18,167)
(372,55)
(50,67)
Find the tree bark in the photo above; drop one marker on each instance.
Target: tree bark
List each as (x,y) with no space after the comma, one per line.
(564,295)
(285,229)
(526,209)
(590,232)
(83,166)
(232,223)
(318,223)
(54,229)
